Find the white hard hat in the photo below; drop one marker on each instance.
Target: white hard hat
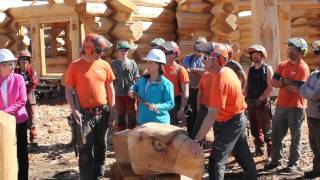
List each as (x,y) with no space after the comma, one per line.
(156,55)
(6,55)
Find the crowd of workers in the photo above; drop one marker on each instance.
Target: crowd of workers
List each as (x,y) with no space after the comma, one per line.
(208,89)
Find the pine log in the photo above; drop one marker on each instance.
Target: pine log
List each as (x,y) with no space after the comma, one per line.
(8,147)
(162,148)
(93,9)
(128,31)
(169,4)
(55,1)
(157,27)
(141,52)
(148,37)
(202,7)
(227,8)
(300,22)
(245,20)
(99,24)
(122,5)
(189,1)
(73,3)
(188,34)
(120,145)
(123,17)
(153,14)
(5,41)
(191,21)
(246,34)
(223,24)
(304,31)
(4,19)
(186,48)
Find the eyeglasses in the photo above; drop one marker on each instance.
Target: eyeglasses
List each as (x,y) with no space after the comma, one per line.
(24,58)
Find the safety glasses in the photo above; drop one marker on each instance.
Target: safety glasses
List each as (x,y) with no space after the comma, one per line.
(24,58)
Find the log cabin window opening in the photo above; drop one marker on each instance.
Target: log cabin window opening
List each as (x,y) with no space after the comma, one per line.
(24,37)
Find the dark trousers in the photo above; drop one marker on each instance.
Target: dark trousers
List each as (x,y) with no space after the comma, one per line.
(314,141)
(260,124)
(174,111)
(231,137)
(22,150)
(92,153)
(126,107)
(192,102)
(201,114)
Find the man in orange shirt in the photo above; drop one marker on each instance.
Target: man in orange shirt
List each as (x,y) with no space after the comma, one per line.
(289,76)
(91,78)
(179,77)
(226,115)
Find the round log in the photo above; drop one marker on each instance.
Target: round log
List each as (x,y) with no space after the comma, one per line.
(5,41)
(201,7)
(192,21)
(93,9)
(157,27)
(128,31)
(148,37)
(122,5)
(4,19)
(169,4)
(99,24)
(153,14)
(123,17)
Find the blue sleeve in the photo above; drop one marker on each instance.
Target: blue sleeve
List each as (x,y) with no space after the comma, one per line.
(185,62)
(168,94)
(135,86)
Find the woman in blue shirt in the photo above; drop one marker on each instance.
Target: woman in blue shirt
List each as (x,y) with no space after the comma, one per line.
(154,91)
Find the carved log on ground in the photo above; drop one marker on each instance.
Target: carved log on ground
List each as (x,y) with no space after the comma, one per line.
(123,17)
(169,4)
(122,5)
(93,9)
(99,24)
(4,19)
(156,27)
(154,14)
(8,147)
(190,21)
(128,31)
(202,7)
(160,148)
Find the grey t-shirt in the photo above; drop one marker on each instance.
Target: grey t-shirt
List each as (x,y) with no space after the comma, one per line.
(235,66)
(126,72)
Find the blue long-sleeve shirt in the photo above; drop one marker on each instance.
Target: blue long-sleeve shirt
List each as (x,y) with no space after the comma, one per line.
(159,93)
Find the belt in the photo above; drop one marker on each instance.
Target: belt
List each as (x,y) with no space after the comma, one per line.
(96,110)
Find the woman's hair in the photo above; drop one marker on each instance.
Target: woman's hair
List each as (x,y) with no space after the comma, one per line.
(161,70)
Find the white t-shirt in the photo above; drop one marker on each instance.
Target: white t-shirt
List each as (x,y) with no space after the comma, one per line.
(4,92)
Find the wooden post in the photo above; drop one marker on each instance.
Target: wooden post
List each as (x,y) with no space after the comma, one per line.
(265,28)
(8,147)
(284,28)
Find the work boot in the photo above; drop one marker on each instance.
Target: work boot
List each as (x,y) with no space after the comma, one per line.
(272,165)
(258,152)
(290,169)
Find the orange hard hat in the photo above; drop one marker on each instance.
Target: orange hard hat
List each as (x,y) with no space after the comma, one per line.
(96,42)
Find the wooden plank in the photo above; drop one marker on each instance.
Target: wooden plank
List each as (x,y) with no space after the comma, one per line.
(122,5)
(201,7)
(192,21)
(284,28)
(54,10)
(157,27)
(169,4)
(8,147)
(75,37)
(87,9)
(153,14)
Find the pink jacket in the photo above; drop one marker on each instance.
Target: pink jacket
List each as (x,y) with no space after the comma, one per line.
(17,97)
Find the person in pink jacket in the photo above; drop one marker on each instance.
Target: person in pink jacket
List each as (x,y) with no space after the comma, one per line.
(13,98)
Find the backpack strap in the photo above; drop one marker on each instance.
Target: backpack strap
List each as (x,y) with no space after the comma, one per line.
(178,74)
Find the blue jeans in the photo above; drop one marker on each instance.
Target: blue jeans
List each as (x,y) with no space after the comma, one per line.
(231,137)
(92,153)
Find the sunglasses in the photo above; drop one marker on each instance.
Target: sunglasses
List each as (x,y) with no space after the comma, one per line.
(123,50)
(24,58)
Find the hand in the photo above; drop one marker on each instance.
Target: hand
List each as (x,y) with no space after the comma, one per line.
(153,107)
(195,148)
(287,81)
(77,116)
(111,119)
(131,94)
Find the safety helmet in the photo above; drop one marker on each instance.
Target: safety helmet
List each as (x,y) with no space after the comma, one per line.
(6,55)
(299,43)
(157,42)
(316,47)
(123,45)
(170,46)
(156,55)
(220,51)
(96,42)
(258,48)
(229,48)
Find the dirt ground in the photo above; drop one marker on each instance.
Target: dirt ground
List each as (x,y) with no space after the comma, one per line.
(54,157)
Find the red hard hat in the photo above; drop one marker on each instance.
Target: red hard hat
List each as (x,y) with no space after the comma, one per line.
(220,51)
(24,53)
(96,42)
